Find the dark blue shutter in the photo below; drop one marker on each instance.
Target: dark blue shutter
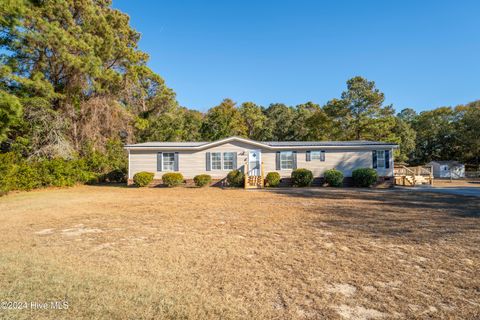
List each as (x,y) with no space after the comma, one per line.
(387,159)
(294,160)
(322,155)
(374,158)
(159,161)
(309,156)
(277,160)
(207,161)
(175,165)
(234,160)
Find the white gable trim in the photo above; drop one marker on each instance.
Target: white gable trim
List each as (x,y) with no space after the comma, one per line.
(259,144)
(234,138)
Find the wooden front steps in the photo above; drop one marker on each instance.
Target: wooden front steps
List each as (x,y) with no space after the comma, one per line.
(254,182)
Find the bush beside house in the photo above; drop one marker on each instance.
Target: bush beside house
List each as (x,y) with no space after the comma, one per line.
(202,180)
(235,178)
(364,177)
(143,179)
(302,177)
(172,179)
(272,179)
(116,175)
(19,174)
(334,178)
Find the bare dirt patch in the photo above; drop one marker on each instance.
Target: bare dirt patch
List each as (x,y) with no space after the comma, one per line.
(115,252)
(342,288)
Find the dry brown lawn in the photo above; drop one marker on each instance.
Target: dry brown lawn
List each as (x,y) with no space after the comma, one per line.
(126,253)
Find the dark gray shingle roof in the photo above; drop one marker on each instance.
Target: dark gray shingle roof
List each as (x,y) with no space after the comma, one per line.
(447,162)
(273,144)
(168,144)
(326,143)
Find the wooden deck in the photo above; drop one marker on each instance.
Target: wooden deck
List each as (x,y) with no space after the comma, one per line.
(413,176)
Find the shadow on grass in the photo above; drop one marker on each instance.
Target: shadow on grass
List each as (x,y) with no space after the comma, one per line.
(418,217)
(111,185)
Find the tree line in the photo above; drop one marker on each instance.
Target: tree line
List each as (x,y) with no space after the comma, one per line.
(75,86)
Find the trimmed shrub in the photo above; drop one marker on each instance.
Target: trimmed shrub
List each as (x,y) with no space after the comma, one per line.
(202,180)
(143,179)
(235,178)
(172,179)
(364,177)
(116,175)
(302,177)
(334,178)
(272,179)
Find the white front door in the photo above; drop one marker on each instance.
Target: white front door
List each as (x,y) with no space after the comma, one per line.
(254,162)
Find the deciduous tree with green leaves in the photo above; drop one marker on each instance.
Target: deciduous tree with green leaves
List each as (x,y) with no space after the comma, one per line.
(223,121)
(255,120)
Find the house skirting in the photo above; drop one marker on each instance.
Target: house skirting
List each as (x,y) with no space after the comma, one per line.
(382,182)
(188,183)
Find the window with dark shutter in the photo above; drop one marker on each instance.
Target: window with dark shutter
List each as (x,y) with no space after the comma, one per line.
(175,165)
(235,160)
(168,161)
(374,158)
(308,156)
(287,160)
(207,161)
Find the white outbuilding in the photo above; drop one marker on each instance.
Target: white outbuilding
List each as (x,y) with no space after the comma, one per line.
(448,169)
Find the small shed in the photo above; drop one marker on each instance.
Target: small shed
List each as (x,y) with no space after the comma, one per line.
(448,169)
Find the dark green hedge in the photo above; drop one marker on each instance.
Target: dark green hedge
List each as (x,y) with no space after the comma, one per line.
(172,179)
(235,178)
(364,177)
(202,180)
(21,174)
(302,177)
(272,179)
(334,178)
(143,179)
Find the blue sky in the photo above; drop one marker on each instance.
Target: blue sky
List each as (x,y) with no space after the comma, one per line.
(421,54)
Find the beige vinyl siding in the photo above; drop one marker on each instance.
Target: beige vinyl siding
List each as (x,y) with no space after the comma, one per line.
(344,160)
(192,163)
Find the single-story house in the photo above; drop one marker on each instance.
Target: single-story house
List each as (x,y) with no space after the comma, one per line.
(448,169)
(217,158)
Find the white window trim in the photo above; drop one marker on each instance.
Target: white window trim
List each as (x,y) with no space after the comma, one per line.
(285,169)
(223,160)
(319,155)
(163,162)
(382,159)
(211,161)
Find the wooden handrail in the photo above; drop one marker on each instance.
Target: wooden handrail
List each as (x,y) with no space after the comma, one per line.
(412,173)
(263,180)
(245,173)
